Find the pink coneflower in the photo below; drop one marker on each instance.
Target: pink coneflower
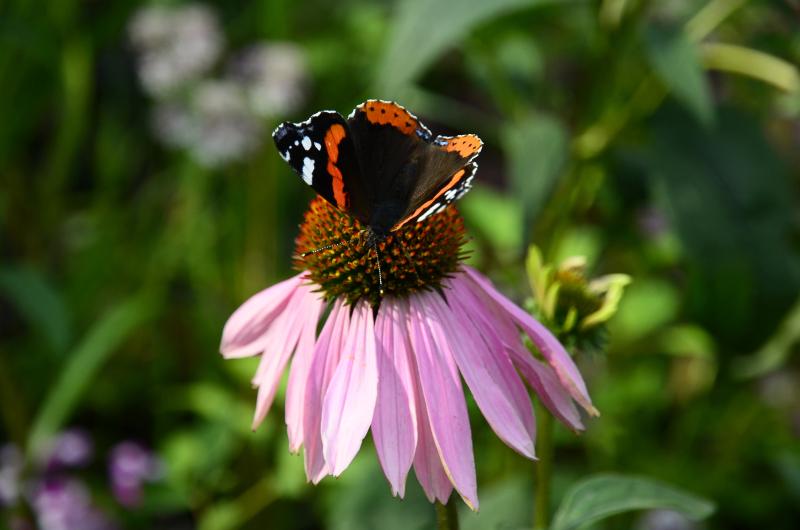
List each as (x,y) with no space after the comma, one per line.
(394,363)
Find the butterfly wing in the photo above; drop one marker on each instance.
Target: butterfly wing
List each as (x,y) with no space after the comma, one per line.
(439,196)
(407,170)
(322,152)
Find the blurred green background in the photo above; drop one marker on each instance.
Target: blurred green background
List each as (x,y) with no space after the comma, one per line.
(142,200)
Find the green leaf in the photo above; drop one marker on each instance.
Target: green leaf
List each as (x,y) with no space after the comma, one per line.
(688,340)
(425,28)
(536,150)
(728,196)
(83,364)
(676,61)
(752,63)
(39,304)
(495,217)
(648,304)
(505,504)
(602,496)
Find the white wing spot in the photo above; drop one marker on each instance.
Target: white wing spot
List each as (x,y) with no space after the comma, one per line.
(318,146)
(308,170)
(306,143)
(296,143)
(286,156)
(437,207)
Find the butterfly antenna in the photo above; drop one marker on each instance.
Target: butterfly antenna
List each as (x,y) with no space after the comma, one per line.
(326,247)
(378,263)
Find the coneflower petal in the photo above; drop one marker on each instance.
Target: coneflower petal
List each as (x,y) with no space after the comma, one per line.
(486,368)
(245,331)
(298,376)
(394,424)
(323,363)
(551,349)
(444,398)
(285,335)
(548,387)
(427,462)
(349,403)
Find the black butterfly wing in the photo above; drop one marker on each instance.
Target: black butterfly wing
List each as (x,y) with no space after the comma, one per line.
(438,195)
(321,150)
(407,171)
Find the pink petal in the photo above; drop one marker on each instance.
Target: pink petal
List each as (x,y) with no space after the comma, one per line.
(350,399)
(394,425)
(323,363)
(547,386)
(427,462)
(283,336)
(444,398)
(485,366)
(245,329)
(298,375)
(551,349)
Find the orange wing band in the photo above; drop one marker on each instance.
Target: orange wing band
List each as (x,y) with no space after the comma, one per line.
(333,138)
(458,175)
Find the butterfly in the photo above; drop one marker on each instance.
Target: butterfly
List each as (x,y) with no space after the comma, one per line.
(381,165)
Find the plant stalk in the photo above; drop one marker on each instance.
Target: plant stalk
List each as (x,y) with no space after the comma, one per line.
(446,515)
(544,470)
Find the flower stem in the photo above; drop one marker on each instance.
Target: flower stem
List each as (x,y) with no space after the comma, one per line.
(446,515)
(544,468)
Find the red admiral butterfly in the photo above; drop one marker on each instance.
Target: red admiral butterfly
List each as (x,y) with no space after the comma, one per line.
(381,165)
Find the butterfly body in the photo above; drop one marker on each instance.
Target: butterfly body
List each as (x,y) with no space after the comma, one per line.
(381,164)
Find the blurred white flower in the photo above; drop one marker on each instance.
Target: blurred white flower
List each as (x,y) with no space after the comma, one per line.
(173,124)
(274,77)
(216,125)
(216,120)
(175,45)
(227,130)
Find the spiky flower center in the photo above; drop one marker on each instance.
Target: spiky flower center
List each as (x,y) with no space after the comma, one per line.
(416,257)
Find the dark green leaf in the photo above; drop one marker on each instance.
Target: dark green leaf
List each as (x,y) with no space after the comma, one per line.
(728,197)
(38,303)
(601,496)
(82,366)
(536,150)
(423,29)
(677,62)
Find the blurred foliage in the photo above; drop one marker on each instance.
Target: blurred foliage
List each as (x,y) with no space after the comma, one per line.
(657,139)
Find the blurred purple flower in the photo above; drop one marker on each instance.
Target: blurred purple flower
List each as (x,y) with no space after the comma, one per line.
(17,522)
(130,466)
(11,463)
(65,504)
(71,448)
(652,222)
